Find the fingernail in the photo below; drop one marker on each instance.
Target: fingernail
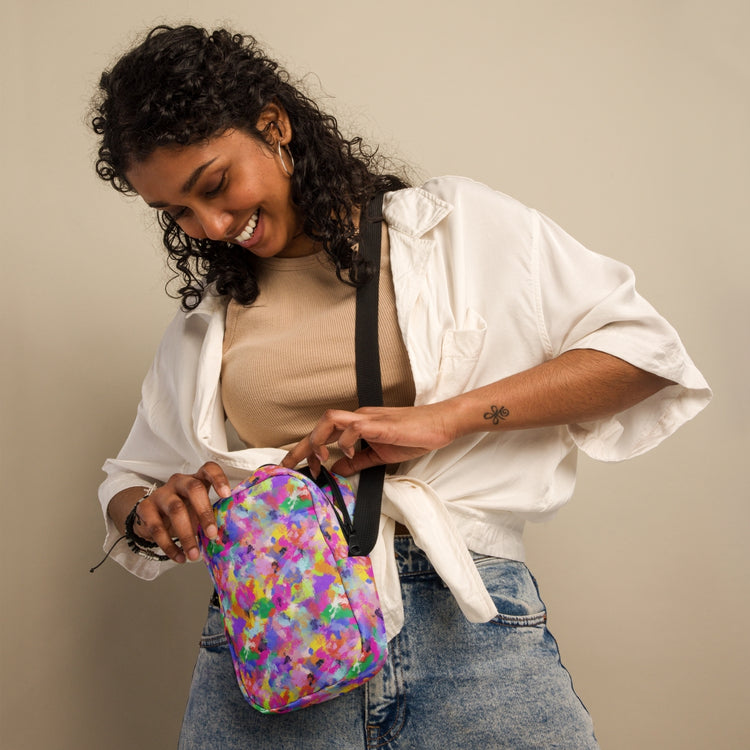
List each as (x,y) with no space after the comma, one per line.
(212,532)
(180,558)
(193,554)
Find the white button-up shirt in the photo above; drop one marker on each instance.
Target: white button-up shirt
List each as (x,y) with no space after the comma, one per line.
(485,287)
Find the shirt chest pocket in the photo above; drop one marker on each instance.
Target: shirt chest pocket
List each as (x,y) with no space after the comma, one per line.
(459,354)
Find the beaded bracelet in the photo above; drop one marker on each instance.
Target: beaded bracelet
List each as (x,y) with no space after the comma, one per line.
(137,543)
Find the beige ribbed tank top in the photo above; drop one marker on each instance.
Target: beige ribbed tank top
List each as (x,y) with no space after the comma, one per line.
(290,355)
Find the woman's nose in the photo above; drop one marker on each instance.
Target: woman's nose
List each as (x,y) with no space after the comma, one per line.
(215,223)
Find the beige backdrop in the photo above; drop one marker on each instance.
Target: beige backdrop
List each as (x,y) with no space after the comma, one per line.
(626,122)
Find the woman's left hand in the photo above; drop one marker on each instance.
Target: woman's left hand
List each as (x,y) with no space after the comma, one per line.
(393,434)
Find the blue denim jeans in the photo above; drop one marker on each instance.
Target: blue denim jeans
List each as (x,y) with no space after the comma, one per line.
(448,683)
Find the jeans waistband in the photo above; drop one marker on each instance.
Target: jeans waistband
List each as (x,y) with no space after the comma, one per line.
(410,559)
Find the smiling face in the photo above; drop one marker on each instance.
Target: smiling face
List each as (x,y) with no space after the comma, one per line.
(231,188)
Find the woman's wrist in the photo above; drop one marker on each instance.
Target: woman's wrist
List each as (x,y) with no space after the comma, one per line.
(123,503)
(475,411)
(125,520)
(133,519)
(137,544)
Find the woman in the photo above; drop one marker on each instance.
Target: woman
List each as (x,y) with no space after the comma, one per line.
(505,345)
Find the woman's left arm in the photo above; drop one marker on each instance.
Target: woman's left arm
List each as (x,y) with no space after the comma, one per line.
(580,385)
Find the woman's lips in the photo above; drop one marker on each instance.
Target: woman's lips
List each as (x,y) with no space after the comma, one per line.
(247,234)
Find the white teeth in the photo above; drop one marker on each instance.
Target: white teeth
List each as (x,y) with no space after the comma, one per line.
(249,230)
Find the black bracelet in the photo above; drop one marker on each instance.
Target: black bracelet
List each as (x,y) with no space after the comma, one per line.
(136,543)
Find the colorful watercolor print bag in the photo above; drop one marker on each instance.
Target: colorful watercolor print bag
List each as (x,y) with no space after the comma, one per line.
(302,617)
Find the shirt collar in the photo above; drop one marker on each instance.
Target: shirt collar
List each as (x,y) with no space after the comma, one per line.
(414,211)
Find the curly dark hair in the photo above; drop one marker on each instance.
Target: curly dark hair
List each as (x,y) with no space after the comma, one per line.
(182,86)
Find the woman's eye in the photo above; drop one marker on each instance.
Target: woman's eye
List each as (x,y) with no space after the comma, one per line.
(177,214)
(216,189)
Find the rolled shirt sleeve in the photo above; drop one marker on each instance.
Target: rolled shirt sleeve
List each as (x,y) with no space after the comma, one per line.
(148,456)
(589,301)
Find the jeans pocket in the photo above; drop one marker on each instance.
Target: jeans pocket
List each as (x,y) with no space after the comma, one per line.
(514,592)
(213,637)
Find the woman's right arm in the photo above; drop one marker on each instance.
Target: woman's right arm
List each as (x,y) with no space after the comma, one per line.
(175,509)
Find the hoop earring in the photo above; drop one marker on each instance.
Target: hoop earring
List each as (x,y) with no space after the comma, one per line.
(281,158)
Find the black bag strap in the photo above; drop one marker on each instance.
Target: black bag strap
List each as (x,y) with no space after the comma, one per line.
(369,385)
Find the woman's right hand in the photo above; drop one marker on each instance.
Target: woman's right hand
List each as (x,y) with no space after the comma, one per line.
(175,509)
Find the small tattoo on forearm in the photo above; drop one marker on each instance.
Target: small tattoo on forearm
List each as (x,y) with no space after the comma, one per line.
(496,414)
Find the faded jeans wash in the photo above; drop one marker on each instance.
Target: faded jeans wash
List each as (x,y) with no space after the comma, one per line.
(448,683)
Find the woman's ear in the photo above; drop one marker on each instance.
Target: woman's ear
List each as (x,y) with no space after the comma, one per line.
(274,126)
